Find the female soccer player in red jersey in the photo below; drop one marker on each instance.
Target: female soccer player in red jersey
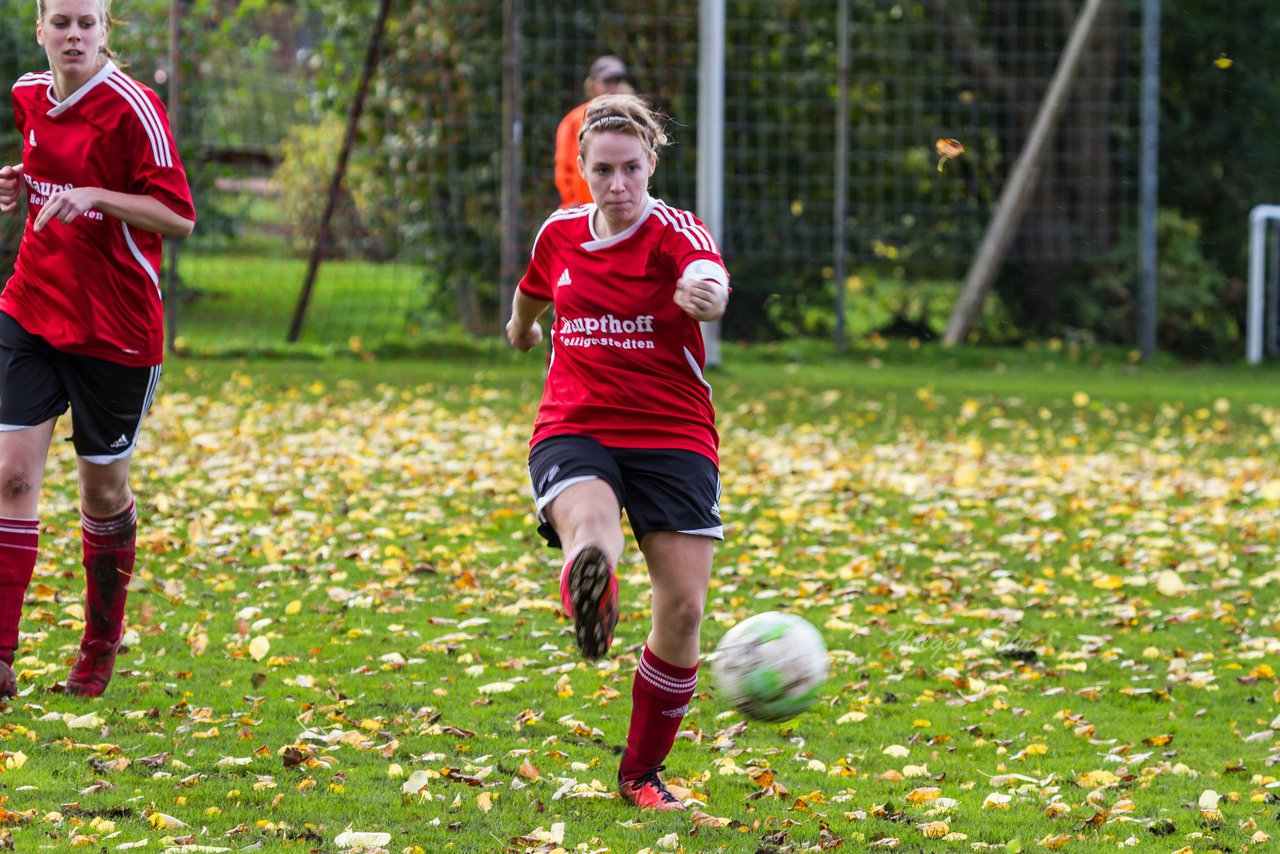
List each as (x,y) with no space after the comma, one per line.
(80,320)
(626,417)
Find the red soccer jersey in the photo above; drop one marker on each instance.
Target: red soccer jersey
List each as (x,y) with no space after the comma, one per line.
(627,363)
(92,286)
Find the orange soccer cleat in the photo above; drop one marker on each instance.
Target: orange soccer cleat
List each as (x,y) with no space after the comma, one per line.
(648,792)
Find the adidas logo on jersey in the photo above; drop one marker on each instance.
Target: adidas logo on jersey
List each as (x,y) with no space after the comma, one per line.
(564,279)
(32,138)
(122,442)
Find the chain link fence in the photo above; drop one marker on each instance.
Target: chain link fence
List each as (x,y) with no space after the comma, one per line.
(262,94)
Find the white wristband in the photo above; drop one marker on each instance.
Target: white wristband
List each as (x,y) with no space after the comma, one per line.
(708,271)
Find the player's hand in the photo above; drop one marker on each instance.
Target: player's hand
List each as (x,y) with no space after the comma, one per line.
(9,176)
(701,299)
(65,206)
(524,339)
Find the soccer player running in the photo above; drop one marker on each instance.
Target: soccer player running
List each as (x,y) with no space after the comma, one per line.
(626,418)
(80,320)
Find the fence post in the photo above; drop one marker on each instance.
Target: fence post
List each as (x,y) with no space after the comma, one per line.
(513,130)
(1272,342)
(174,108)
(842,171)
(1149,181)
(1258,218)
(711,139)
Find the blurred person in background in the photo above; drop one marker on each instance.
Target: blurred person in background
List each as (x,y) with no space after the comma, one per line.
(608,75)
(81,323)
(626,420)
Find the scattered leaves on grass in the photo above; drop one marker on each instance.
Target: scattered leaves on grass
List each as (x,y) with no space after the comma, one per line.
(1042,613)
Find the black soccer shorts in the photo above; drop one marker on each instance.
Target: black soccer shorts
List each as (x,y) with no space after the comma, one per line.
(660,489)
(107,400)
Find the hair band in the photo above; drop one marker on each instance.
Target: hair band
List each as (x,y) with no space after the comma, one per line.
(604,121)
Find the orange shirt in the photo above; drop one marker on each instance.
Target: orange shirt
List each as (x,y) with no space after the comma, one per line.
(572,186)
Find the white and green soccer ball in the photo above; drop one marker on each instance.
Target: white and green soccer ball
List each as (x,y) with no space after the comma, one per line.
(770,667)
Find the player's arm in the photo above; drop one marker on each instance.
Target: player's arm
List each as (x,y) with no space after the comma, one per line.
(140,211)
(523,330)
(10,177)
(703,290)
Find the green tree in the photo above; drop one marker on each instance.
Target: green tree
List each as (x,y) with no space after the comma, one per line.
(429,155)
(1220,98)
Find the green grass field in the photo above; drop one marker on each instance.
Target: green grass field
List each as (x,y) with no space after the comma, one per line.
(230,304)
(1048,588)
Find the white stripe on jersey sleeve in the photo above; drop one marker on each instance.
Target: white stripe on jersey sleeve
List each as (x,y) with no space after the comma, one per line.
(699,236)
(146,113)
(684,225)
(566,213)
(699,230)
(34,78)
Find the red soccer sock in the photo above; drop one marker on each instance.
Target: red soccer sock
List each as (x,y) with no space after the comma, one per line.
(19,545)
(660,696)
(110,546)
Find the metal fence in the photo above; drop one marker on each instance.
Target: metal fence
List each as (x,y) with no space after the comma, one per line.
(262,99)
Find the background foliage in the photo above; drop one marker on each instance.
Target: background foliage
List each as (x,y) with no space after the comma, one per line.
(1220,93)
(441,78)
(265,87)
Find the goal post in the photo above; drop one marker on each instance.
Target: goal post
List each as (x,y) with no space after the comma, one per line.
(1260,220)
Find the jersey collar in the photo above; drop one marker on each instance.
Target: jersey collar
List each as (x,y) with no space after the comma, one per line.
(601,242)
(108,68)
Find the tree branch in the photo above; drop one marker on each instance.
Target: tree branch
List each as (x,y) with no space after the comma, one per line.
(961,35)
(1066,11)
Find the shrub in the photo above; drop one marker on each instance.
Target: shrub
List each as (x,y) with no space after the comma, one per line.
(308,157)
(1198,308)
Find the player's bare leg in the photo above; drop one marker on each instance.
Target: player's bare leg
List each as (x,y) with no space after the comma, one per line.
(680,569)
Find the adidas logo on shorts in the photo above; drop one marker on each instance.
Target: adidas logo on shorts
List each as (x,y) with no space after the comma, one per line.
(549,477)
(122,442)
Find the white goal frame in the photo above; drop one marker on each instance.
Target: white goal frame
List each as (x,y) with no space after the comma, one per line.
(1259,219)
